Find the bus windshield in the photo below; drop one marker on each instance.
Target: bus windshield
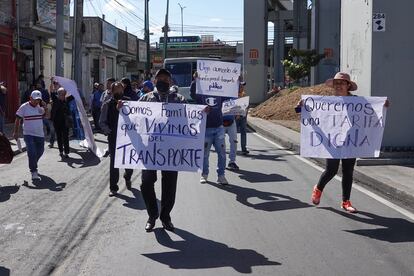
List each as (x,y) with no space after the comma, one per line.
(181,73)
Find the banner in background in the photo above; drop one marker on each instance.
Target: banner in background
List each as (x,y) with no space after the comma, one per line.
(217,78)
(342,127)
(72,89)
(236,106)
(160,136)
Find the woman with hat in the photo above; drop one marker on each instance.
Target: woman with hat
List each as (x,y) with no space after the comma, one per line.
(343,86)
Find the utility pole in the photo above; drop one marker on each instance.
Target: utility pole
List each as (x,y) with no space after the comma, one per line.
(59,38)
(182,25)
(77,43)
(166,28)
(147,36)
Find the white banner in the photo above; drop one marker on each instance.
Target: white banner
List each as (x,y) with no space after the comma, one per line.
(236,106)
(342,127)
(72,89)
(217,78)
(160,136)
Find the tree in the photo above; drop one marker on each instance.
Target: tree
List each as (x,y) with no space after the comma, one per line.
(306,60)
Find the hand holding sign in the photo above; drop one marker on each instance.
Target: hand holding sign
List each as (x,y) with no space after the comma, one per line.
(216,78)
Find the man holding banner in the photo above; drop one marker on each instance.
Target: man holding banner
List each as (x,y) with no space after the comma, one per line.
(169,178)
(340,129)
(109,124)
(214,81)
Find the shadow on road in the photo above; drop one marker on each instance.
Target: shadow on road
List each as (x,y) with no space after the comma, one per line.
(195,252)
(45,183)
(256,177)
(136,202)
(272,157)
(4,271)
(272,201)
(393,230)
(88,159)
(6,192)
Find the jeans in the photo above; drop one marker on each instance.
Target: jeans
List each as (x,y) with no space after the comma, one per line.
(168,190)
(231,131)
(215,136)
(35,147)
(242,125)
(332,166)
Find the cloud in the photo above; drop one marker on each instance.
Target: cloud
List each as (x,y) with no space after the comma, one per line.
(215,19)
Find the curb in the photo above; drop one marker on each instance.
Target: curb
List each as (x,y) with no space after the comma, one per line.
(387,191)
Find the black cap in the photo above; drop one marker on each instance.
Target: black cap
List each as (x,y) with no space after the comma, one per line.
(163,71)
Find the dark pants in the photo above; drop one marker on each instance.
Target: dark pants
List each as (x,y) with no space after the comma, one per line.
(168,189)
(96,113)
(62,135)
(114,172)
(242,125)
(331,169)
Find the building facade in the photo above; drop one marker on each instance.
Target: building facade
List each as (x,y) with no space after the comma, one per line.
(377,50)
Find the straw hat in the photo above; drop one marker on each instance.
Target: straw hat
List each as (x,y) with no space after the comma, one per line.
(342,76)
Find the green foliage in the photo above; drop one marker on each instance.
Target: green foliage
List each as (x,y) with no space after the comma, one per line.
(307,59)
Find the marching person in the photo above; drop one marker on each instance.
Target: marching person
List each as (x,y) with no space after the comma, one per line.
(105,97)
(168,178)
(32,113)
(109,125)
(128,92)
(343,86)
(214,133)
(62,120)
(96,105)
(147,87)
(241,122)
(107,94)
(230,129)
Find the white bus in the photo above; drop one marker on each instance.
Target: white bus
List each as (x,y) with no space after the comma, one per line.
(182,70)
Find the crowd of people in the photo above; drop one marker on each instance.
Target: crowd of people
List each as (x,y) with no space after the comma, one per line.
(104,107)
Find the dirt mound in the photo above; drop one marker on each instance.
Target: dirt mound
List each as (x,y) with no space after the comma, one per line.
(282,105)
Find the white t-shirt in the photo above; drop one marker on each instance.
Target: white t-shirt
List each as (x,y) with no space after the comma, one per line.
(32,119)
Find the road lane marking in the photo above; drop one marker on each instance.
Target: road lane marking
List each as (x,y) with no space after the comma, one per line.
(363,190)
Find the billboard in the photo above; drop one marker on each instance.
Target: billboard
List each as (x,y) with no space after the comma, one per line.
(109,35)
(46,12)
(142,51)
(132,44)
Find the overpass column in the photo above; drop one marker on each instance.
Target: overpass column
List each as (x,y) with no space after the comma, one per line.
(255,43)
(279,50)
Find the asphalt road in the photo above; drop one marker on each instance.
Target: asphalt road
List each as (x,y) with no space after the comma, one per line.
(260,224)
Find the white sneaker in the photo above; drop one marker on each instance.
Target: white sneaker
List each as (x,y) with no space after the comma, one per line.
(222,180)
(35,176)
(203,178)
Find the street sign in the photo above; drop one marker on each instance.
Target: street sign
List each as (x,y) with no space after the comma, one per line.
(378,22)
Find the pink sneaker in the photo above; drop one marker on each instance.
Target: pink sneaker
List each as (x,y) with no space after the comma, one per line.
(347,206)
(316,195)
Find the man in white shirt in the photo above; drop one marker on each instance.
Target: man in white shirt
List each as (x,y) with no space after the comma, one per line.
(32,113)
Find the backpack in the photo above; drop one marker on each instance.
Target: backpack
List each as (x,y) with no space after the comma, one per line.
(6,152)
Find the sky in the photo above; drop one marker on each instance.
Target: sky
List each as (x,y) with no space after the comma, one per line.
(221,18)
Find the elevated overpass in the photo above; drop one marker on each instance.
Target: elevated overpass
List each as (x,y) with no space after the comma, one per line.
(290,19)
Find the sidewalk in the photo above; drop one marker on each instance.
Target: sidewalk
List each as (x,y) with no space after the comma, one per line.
(395,182)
